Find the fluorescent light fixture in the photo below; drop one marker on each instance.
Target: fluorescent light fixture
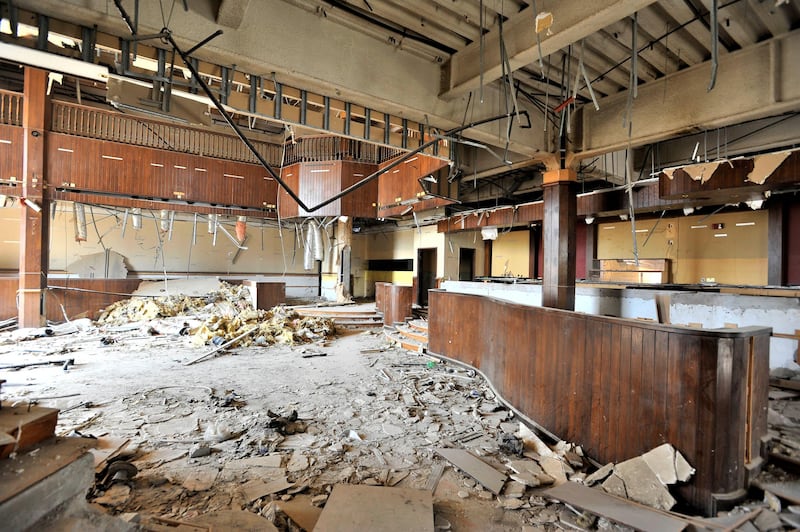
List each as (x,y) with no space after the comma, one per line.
(200,170)
(354,175)
(111,157)
(234,176)
(642,230)
(606,228)
(4,141)
(179,167)
(745,224)
(32,205)
(53,62)
(699,226)
(320,170)
(157,165)
(410,160)
(66,150)
(720,235)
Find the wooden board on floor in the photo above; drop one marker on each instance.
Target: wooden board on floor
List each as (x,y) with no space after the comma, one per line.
(29,424)
(353,507)
(491,479)
(301,511)
(51,456)
(614,508)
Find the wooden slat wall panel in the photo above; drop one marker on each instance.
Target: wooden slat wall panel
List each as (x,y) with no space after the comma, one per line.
(318,182)
(402,181)
(619,387)
(77,303)
(287,207)
(11,152)
(89,165)
(8,297)
(363,201)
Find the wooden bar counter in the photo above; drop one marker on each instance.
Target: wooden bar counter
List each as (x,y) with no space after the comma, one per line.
(619,387)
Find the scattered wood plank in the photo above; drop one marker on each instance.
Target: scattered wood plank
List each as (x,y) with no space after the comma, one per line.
(27,425)
(354,507)
(106,450)
(615,508)
(785,384)
(52,455)
(777,395)
(434,477)
(489,477)
(785,490)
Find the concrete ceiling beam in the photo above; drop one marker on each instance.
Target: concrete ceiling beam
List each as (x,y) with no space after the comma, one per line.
(755,82)
(231,13)
(572,21)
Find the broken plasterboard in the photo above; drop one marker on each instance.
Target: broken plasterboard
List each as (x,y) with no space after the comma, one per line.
(615,508)
(104,265)
(195,287)
(355,507)
(492,479)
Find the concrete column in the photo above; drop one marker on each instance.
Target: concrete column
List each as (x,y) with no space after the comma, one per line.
(560,211)
(34,238)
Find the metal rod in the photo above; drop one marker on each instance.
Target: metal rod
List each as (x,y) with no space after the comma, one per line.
(125,16)
(714,43)
(200,44)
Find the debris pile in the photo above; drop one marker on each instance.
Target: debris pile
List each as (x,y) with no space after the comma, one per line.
(227,301)
(278,325)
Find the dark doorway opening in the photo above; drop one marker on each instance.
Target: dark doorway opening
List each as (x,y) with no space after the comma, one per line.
(426,274)
(466,264)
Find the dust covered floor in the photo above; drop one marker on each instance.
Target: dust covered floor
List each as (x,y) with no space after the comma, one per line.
(270,430)
(366,414)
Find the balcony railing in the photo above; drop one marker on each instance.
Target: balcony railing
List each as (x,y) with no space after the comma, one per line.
(10,108)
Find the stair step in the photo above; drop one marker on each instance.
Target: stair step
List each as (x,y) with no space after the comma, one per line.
(358,323)
(419,325)
(413,334)
(406,343)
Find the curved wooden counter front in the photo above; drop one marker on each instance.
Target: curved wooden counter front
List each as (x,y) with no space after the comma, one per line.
(620,387)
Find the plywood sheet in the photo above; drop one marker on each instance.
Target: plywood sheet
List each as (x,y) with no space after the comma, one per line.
(352,507)
(615,508)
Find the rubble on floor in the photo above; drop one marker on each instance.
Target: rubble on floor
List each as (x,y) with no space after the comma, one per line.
(268,441)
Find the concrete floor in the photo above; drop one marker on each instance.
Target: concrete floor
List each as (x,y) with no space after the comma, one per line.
(373,417)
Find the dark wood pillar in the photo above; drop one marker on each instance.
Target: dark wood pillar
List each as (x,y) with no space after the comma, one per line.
(776,238)
(487,257)
(34,208)
(560,212)
(534,248)
(591,249)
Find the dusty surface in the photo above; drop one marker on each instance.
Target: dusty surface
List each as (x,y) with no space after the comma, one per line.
(373,418)
(289,422)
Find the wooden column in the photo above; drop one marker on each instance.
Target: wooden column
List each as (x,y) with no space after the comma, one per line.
(534,248)
(560,211)
(34,209)
(776,231)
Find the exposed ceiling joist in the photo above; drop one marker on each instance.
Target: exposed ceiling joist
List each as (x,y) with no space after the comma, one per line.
(759,81)
(573,20)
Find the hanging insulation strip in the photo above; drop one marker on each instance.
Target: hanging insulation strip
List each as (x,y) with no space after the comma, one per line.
(80,221)
(136,218)
(241,228)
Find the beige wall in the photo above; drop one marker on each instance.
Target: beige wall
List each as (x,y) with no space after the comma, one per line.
(143,253)
(510,254)
(737,255)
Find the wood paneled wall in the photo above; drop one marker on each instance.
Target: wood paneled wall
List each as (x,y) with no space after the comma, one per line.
(315,182)
(88,165)
(620,387)
(80,297)
(401,183)
(394,302)
(11,152)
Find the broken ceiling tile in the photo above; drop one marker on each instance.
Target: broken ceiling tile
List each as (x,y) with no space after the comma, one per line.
(353,507)
(489,477)
(668,464)
(599,475)
(533,442)
(642,485)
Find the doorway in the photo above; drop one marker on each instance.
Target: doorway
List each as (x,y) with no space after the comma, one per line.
(426,274)
(466,264)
